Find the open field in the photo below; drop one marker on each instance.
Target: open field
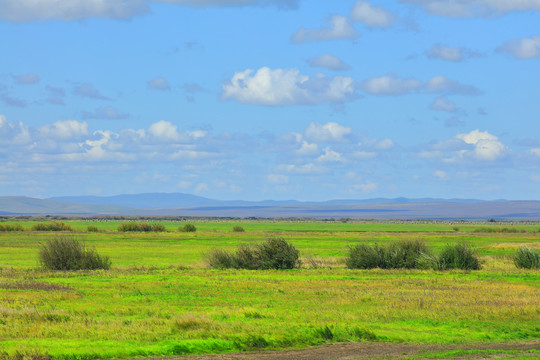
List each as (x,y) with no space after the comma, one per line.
(160,299)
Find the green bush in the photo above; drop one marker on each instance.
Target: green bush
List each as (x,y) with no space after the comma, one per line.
(141,227)
(52,226)
(459,256)
(274,253)
(92,228)
(64,253)
(188,228)
(238,228)
(11,227)
(526,258)
(403,254)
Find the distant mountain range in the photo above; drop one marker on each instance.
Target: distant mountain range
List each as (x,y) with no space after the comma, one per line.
(178,204)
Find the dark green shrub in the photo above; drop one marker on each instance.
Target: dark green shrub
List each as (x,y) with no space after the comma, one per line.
(52,226)
(92,228)
(238,228)
(35,355)
(64,253)
(526,258)
(274,253)
(363,256)
(188,228)
(11,227)
(403,254)
(325,333)
(141,227)
(459,256)
(220,259)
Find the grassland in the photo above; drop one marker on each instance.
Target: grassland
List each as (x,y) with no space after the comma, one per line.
(160,299)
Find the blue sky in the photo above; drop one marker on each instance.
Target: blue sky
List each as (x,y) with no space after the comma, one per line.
(271,99)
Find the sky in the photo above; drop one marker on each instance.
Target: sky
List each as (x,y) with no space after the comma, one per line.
(271,99)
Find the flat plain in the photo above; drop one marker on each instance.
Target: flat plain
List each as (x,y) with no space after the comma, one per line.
(160,298)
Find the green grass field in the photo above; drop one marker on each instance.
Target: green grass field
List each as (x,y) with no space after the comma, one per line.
(160,299)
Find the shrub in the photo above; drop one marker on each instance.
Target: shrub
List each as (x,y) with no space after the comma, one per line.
(52,226)
(11,227)
(401,255)
(64,253)
(92,228)
(141,227)
(238,228)
(526,258)
(274,253)
(459,256)
(188,228)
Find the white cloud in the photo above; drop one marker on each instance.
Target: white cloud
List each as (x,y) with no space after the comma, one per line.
(164,130)
(329,132)
(287,87)
(339,28)
(526,48)
(444,52)
(365,13)
(64,130)
(159,83)
(26,79)
(390,85)
(15,133)
(442,84)
(201,187)
(330,156)
(475,8)
(32,10)
(107,112)
(328,61)
(364,155)
(443,104)
(367,187)
(440,174)
(305,169)
(385,144)
(88,90)
(535,151)
(307,149)
(285,4)
(277,179)
(486,146)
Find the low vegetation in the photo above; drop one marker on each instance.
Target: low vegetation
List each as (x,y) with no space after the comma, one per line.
(52,226)
(11,227)
(141,227)
(412,254)
(187,228)
(238,228)
(274,253)
(64,253)
(527,258)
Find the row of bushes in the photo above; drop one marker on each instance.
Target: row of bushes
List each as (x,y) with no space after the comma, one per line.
(65,253)
(274,253)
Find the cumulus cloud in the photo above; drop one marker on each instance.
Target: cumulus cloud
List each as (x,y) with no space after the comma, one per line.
(26,79)
(329,62)
(475,145)
(164,130)
(32,10)
(277,179)
(338,28)
(475,8)
(159,83)
(440,174)
(330,156)
(88,90)
(64,130)
(442,84)
(307,149)
(443,104)
(287,87)
(391,85)
(449,53)
(107,112)
(13,133)
(365,13)
(526,48)
(282,4)
(535,151)
(329,132)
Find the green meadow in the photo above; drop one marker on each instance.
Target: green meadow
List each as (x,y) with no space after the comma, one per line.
(160,298)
